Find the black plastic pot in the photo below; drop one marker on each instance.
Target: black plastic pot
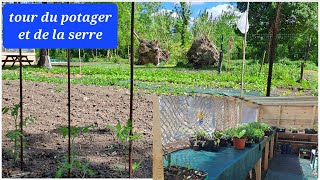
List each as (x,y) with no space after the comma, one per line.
(283,130)
(208,146)
(230,141)
(268,133)
(215,148)
(248,144)
(257,140)
(310,131)
(191,140)
(223,142)
(196,147)
(294,131)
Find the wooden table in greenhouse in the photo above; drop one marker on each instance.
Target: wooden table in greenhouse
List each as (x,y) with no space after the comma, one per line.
(228,163)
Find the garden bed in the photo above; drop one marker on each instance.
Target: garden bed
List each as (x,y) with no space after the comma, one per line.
(90,105)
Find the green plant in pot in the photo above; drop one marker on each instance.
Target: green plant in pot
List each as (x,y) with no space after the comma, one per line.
(249,135)
(228,134)
(258,135)
(239,139)
(196,146)
(294,130)
(266,128)
(223,139)
(212,143)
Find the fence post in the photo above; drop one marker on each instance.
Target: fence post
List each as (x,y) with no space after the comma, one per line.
(273,46)
(305,57)
(221,56)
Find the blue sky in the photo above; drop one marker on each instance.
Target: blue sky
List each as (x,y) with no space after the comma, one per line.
(201,6)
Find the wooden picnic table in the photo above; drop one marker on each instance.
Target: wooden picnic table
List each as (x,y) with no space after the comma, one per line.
(15,58)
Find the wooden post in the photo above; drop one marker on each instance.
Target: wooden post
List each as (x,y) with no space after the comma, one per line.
(313,116)
(305,57)
(266,157)
(271,147)
(264,55)
(244,52)
(275,29)
(257,169)
(157,167)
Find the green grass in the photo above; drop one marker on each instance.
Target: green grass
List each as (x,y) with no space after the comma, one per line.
(175,80)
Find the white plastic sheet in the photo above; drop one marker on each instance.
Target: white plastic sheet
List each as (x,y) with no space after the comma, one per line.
(243,22)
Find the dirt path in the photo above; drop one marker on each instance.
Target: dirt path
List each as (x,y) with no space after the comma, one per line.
(91,105)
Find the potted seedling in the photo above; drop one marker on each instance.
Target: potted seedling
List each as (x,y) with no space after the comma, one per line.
(239,139)
(283,130)
(258,135)
(229,134)
(310,131)
(221,138)
(266,128)
(192,140)
(196,146)
(224,140)
(211,143)
(294,130)
(249,134)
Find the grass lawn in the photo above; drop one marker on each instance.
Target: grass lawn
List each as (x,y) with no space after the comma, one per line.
(169,79)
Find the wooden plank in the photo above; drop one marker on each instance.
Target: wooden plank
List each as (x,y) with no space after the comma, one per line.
(280,112)
(157,167)
(271,122)
(266,157)
(271,147)
(299,112)
(313,116)
(300,142)
(306,103)
(268,112)
(282,98)
(257,169)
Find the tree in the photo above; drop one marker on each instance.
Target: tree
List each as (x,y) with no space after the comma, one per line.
(298,18)
(183,11)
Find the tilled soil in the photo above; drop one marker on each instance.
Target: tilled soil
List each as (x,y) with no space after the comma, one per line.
(90,105)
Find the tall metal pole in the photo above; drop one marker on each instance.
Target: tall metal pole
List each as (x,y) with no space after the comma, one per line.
(21,115)
(69,116)
(131,88)
(272,57)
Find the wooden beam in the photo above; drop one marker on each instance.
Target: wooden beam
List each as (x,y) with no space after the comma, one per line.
(313,116)
(282,98)
(257,169)
(266,157)
(292,103)
(279,119)
(157,144)
(271,147)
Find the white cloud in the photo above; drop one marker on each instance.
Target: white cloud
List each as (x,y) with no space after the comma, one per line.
(197,3)
(165,11)
(216,11)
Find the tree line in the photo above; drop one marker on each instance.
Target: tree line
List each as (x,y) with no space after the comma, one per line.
(176,30)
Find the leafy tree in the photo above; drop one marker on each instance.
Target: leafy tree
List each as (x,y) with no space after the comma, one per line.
(183,11)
